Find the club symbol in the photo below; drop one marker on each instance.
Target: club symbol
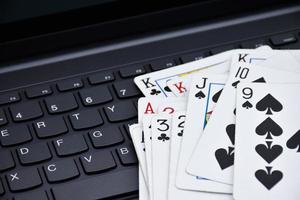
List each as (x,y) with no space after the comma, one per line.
(155,92)
(234,84)
(180,133)
(216,96)
(167,89)
(270,104)
(247,105)
(268,152)
(268,127)
(225,158)
(200,95)
(163,137)
(294,142)
(268,178)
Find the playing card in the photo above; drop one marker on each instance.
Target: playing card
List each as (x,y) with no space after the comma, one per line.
(161,134)
(174,193)
(155,83)
(143,188)
(180,85)
(137,137)
(216,146)
(203,95)
(267,155)
(148,106)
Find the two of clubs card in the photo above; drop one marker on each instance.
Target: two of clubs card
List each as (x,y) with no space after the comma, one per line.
(224,127)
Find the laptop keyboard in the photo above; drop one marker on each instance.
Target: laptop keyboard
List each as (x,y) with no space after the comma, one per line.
(69,139)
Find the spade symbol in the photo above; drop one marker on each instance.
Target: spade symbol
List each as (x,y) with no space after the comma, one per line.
(260,80)
(247,105)
(270,104)
(167,89)
(163,137)
(230,130)
(216,96)
(235,83)
(224,158)
(269,127)
(234,111)
(294,142)
(267,178)
(155,92)
(200,95)
(269,153)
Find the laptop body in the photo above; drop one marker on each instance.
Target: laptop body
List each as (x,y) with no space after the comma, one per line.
(64,115)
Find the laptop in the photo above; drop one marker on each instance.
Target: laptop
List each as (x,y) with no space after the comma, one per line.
(67,95)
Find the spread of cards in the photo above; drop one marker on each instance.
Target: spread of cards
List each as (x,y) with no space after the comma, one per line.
(220,128)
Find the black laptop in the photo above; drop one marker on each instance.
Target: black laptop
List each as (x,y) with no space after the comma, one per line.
(67,94)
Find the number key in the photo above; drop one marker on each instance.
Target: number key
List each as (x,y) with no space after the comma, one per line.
(61,103)
(126,89)
(26,111)
(95,95)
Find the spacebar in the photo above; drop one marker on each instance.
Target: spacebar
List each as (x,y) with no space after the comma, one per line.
(105,186)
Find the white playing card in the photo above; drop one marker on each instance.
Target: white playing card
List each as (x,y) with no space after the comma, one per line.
(267,140)
(203,95)
(149,106)
(161,134)
(154,84)
(143,189)
(175,193)
(137,136)
(180,86)
(218,156)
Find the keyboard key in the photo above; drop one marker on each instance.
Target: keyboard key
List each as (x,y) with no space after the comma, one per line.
(102,137)
(85,119)
(99,187)
(95,95)
(9,98)
(38,195)
(50,127)
(61,171)
(38,91)
(221,49)
(69,85)
(26,111)
(102,77)
(283,39)
(23,179)
(61,103)
(162,64)
(3,119)
(126,89)
(132,71)
(97,162)
(6,161)
(127,155)
(14,135)
(253,44)
(193,56)
(35,153)
(70,145)
(120,111)
(1,188)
